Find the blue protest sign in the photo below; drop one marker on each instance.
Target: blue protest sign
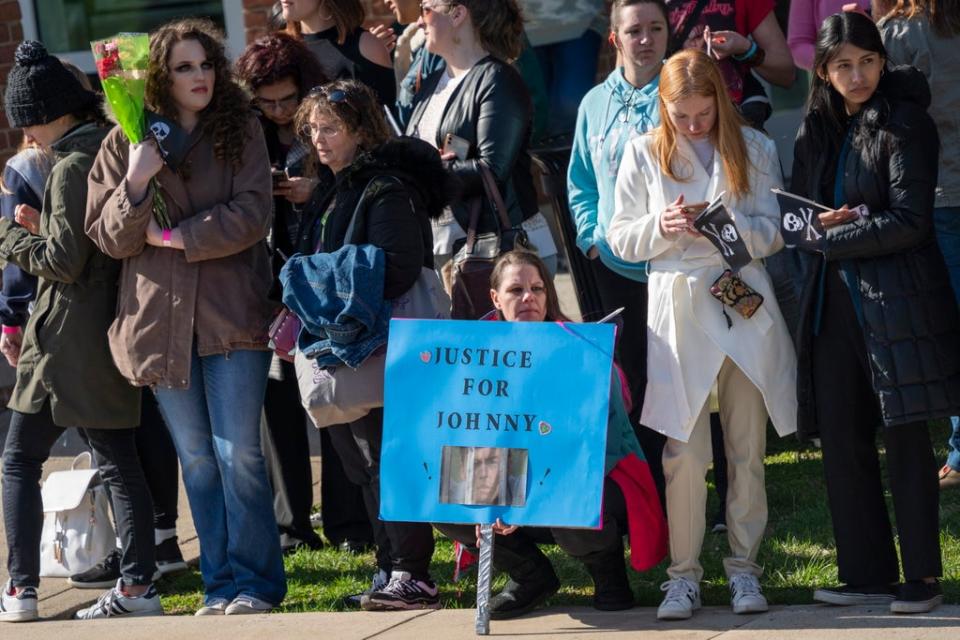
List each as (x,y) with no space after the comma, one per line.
(487,420)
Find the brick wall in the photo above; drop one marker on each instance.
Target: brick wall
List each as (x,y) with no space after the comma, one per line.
(11,33)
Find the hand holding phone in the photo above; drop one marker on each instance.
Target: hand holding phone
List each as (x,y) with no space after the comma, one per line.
(456,145)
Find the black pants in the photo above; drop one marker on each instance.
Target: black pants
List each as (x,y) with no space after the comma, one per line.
(518,555)
(401,546)
(848,414)
(341,501)
(617,291)
(27,447)
(158,457)
(286,452)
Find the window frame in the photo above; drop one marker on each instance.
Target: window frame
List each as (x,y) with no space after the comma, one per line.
(232,18)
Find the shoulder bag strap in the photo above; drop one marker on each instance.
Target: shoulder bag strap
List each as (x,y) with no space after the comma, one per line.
(493,195)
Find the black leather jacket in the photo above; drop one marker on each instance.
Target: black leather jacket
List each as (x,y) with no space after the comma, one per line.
(910,323)
(491,109)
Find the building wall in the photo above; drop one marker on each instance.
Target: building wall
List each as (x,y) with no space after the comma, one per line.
(11,33)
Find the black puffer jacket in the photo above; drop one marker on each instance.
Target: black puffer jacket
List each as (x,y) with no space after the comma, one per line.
(911,326)
(491,110)
(403,184)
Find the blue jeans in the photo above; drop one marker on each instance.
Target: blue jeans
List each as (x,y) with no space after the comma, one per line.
(947,223)
(215,425)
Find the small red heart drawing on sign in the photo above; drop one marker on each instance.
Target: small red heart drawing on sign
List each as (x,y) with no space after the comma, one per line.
(545,428)
(425,356)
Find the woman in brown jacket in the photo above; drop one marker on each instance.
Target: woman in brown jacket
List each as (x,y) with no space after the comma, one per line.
(193,311)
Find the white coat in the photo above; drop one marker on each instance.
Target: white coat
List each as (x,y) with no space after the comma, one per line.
(688,338)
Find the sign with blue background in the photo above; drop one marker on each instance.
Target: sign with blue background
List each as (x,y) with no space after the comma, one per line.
(487,420)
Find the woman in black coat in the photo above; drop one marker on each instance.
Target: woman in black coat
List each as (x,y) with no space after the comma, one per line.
(879,336)
(482,101)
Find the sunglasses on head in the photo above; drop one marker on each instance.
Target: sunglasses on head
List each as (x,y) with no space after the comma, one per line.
(334,96)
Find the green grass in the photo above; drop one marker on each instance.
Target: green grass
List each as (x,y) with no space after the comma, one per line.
(797,552)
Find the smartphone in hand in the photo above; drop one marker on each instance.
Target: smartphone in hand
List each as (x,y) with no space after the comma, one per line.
(459,146)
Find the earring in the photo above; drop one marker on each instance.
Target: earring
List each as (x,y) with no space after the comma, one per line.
(456,39)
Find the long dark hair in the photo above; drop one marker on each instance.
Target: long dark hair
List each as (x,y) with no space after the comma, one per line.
(225,118)
(498,25)
(826,119)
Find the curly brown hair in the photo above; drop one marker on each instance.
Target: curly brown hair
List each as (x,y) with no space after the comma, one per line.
(276,57)
(359,111)
(225,118)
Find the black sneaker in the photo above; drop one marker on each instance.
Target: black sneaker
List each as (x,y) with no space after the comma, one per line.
(103,575)
(169,558)
(517,599)
(845,595)
(917,596)
(355,600)
(403,592)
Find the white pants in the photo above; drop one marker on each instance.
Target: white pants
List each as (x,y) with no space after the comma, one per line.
(685,465)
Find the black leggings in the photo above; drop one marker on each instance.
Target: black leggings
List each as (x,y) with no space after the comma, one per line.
(27,447)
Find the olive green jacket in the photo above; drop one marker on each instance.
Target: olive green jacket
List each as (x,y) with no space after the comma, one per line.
(65,357)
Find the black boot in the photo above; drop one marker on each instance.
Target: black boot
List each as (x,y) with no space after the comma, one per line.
(532,581)
(611,589)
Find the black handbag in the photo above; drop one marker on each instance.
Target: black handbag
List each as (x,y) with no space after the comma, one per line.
(473,264)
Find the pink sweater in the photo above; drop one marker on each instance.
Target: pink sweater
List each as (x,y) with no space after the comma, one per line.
(805,19)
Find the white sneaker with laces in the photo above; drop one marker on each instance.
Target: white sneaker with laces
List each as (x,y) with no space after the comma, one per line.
(682,599)
(244,604)
(115,604)
(18,607)
(745,594)
(213,607)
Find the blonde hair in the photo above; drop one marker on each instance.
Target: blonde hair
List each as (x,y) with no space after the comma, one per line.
(692,73)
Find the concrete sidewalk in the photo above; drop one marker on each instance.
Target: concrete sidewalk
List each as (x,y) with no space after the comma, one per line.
(712,623)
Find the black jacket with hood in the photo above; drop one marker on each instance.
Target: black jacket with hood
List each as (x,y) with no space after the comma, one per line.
(395,190)
(910,322)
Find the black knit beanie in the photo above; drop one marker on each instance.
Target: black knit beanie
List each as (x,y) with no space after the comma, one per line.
(40,89)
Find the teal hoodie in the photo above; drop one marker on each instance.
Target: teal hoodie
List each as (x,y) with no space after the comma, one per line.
(598,144)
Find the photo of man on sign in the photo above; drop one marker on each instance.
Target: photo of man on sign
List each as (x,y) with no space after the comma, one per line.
(483,476)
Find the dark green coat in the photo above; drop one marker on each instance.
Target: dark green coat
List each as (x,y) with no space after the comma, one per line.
(65,356)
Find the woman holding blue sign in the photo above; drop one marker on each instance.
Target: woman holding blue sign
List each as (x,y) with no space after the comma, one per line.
(879,335)
(703,151)
(522,291)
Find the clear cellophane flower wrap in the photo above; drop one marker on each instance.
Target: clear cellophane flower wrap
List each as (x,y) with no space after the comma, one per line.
(122,62)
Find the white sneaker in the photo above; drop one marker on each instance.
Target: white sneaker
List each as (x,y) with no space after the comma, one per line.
(682,599)
(213,607)
(114,604)
(18,607)
(745,594)
(243,604)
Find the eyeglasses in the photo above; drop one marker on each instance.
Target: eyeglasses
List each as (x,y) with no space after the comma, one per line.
(426,9)
(311,130)
(283,104)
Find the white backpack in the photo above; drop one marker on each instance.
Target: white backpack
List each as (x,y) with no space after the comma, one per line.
(77,531)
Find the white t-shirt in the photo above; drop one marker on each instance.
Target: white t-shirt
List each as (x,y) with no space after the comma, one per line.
(704,149)
(446,231)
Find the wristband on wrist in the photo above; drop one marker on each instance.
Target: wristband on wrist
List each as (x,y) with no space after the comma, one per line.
(167,236)
(9,330)
(746,55)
